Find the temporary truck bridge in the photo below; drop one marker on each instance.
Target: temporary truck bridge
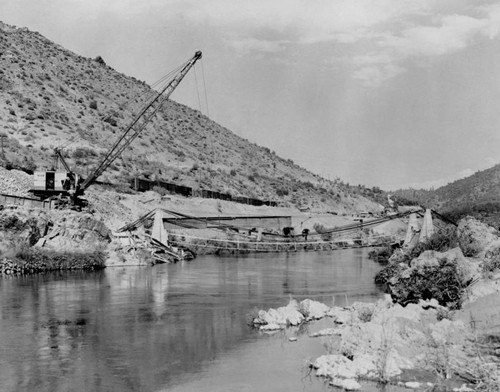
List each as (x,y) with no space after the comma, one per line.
(239,234)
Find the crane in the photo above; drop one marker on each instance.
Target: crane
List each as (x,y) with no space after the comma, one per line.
(131,132)
(58,156)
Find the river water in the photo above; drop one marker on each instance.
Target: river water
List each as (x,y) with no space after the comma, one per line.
(179,327)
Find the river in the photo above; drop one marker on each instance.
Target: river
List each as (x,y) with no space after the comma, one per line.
(179,327)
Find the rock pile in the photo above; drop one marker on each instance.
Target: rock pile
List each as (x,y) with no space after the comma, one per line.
(77,231)
(15,182)
(293,314)
(476,238)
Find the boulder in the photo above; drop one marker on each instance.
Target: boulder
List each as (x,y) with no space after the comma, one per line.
(340,315)
(482,288)
(313,309)
(482,314)
(286,315)
(335,366)
(475,238)
(326,332)
(78,232)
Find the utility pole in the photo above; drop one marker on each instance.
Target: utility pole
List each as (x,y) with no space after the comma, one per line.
(2,137)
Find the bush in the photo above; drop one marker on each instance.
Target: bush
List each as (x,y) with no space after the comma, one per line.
(110,120)
(124,188)
(282,192)
(385,274)
(83,152)
(319,228)
(93,104)
(365,314)
(160,190)
(441,242)
(490,265)
(442,283)
(28,260)
(381,255)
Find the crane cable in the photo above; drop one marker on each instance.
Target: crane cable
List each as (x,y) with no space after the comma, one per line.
(149,93)
(197,89)
(205,87)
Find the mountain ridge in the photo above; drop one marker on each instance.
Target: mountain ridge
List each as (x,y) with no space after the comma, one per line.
(477,195)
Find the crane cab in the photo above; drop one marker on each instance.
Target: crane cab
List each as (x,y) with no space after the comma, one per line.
(53,183)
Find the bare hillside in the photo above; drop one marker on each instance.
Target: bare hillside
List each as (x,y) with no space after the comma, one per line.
(51,97)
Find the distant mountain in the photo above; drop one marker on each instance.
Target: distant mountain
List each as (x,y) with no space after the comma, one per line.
(50,96)
(477,195)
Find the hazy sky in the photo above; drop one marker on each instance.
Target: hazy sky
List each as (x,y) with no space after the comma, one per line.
(392,93)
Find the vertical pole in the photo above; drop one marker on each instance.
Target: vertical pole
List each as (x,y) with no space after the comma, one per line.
(2,137)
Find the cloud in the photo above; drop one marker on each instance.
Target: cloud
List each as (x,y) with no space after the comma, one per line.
(448,34)
(455,32)
(252,44)
(389,32)
(303,21)
(380,37)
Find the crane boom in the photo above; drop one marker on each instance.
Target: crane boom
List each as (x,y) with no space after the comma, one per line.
(59,155)
(139,123)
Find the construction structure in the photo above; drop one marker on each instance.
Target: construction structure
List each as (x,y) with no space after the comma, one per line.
(175,234)
(69,184)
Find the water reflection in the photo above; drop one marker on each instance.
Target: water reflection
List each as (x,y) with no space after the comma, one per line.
(148,329)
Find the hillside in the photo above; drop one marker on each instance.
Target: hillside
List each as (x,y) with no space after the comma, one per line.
(477,195)
(51,97)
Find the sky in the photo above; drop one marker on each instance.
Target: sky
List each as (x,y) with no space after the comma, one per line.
(387,93)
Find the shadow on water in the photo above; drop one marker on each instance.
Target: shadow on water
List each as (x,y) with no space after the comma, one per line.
(170,327)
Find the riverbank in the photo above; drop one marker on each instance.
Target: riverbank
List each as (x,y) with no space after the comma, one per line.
(421,335)
(82,232)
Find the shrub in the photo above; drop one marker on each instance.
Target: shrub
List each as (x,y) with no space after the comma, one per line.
(490,265)
(381,255)
(83,152)
(124,188)
(442,283)
(385,274)
(365,314)
(469,249)
(110,120)
(160,190)
(319,228)
(93,104)
(31,260)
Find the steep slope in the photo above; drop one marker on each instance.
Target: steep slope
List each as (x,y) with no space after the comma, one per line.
(50,97)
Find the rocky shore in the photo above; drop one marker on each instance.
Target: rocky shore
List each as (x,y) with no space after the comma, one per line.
(36,262)
(437,329)
(42,241)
